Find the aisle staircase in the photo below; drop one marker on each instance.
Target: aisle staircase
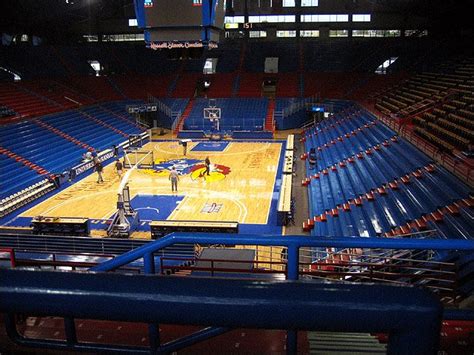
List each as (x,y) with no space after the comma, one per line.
(329,343)
(269,120)
(237,78)
(184,116)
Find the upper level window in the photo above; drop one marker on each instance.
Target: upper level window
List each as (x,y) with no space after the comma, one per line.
(272,18)
(132,22)
(91,38)
(325,18)
(361,18)
(289,3)
(231,26)
(234,19)
(308,3)
(338,33)
(376,33)
(286,33)
(382,68)
(257,34)
(416,33)
(309,33)
(264,3)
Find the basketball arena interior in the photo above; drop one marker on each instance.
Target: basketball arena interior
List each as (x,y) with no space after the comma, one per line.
(236,177)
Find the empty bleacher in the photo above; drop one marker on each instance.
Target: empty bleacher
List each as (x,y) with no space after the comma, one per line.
(237,114)
(55,143)
(439,103)
(367,181)
(25,102)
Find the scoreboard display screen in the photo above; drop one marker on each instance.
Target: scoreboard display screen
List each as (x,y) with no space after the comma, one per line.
(189,21)
(172,13)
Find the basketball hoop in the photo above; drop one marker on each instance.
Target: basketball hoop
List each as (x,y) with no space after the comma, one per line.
(213,114)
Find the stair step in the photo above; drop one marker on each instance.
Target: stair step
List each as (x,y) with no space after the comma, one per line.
(347,347)
(337,352)
(341,335)
(349,339)
(344,343)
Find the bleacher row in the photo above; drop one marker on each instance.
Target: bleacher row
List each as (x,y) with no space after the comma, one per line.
(441,104)
(52,144)
(313,55)
(367,181)
(137,72)
(236,114)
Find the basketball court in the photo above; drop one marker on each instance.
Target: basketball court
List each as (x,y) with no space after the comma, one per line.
(242,187)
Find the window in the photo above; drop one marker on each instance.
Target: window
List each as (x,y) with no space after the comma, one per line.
(231,26)
(91,38)
(132,22)
(286,34)
(234,19)
(210,66)
(308,3)
(126,37)
(416,33)
(361,18)
(289,3)
(309,33)
(392,33)
(265,3)
(382,69)
(272,19)
(96,66)
(358,33)
(376,33)
(338,33)
(325,18)
(257,34)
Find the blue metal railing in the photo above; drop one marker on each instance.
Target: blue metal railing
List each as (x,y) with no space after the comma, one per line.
(293,243)
(411,316)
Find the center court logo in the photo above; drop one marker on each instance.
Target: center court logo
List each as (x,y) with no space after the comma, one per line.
(194,167)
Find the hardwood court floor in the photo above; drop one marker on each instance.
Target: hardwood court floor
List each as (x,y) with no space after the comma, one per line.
(243,193)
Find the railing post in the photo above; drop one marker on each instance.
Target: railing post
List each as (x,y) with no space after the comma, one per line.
(12,258)
(154,335)
(70,330)
(149,263)
(293,262)
(291,341)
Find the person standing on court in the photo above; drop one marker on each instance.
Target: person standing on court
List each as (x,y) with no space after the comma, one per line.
(174,178)
(185,146)
(119,168)
(207,162)
(99,168)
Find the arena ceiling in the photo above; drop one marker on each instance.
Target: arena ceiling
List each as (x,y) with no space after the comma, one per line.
(49,16)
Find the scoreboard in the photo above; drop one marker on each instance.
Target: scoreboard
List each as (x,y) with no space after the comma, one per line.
(180,23)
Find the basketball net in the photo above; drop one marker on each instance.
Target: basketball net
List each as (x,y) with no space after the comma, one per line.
(125,178)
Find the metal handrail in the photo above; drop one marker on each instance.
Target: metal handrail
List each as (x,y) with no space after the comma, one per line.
(406,314)
(292,243)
